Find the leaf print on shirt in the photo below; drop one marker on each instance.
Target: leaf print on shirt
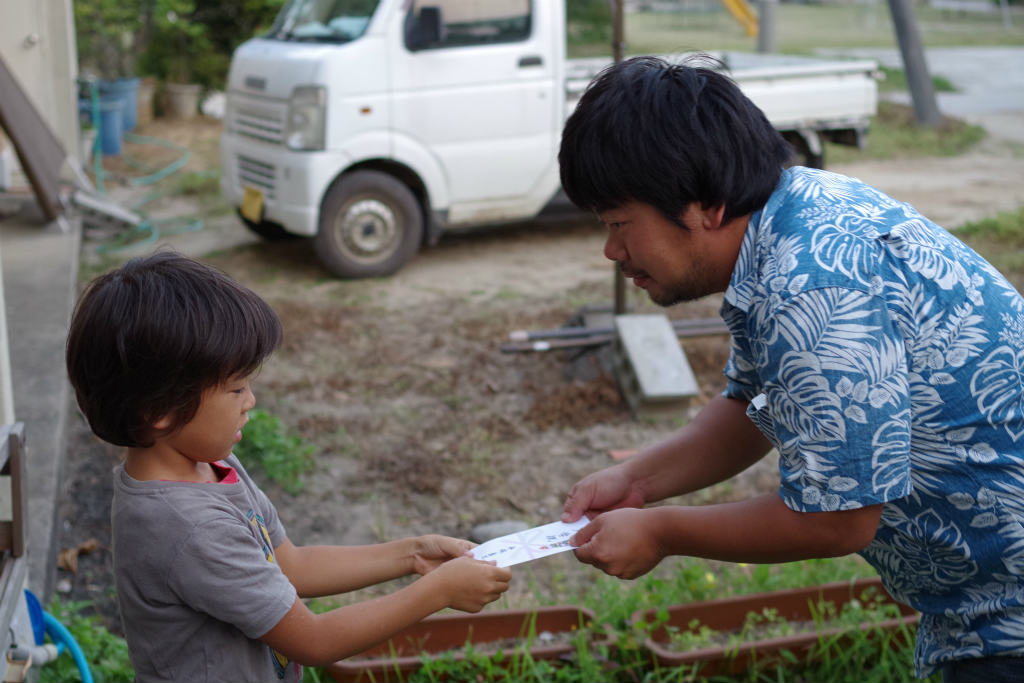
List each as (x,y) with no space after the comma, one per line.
(934,553)
(840,250)
(813,186)
(997,387)
(913,243)
(890,459)
(807,405)
(826,321)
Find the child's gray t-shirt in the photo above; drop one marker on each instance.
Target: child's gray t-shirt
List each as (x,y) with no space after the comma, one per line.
(197,582)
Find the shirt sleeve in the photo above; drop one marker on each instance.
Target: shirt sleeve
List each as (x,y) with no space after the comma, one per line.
(836,399)
(226,569)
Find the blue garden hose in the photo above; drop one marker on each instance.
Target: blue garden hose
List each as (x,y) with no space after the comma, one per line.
(62,637)
(43,624)
(149,230)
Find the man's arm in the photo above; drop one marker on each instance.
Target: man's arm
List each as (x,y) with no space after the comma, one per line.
(719,442)
(628,543)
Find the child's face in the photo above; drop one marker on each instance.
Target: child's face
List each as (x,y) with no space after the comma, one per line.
(217,426)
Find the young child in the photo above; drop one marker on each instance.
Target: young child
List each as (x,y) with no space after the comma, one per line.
(161,353)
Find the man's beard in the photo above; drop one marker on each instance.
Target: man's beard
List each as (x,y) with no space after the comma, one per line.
(690,288)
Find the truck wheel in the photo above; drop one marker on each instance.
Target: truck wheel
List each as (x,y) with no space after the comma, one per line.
(268,230)
(808,149)
(370,225)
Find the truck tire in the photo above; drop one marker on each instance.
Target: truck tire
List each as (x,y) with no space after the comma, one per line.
(808,149)
(370,225)
(267,230)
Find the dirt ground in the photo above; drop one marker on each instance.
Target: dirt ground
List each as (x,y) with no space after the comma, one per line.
(421,423)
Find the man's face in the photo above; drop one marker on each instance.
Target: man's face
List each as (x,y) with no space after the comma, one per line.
(671,263)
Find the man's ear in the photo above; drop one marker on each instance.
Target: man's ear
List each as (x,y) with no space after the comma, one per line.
(711,216)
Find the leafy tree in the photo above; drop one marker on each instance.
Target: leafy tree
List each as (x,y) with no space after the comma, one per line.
(107,36)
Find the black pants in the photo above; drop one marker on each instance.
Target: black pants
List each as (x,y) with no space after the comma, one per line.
(1006,669)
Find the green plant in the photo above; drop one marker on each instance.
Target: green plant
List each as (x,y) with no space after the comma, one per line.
(283,457)
(1006,226)
(896,81)
(107,36)
(191,41)
(998,239)
(105,652)
(894,134)
(588,21)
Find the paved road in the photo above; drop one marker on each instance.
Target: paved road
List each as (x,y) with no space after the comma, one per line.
(989,82)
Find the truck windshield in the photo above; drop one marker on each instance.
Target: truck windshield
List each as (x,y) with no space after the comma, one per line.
(329,21)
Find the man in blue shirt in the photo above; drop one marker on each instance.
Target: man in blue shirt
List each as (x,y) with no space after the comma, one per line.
(881,357)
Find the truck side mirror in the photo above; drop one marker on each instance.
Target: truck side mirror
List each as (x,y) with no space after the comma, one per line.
(426,29)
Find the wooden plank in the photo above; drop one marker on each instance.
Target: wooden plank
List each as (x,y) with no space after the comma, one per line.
(39,151)
(19,501)
(12,450)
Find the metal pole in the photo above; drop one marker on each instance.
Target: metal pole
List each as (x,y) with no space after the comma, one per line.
(618,54)
(766,26)
(922,92)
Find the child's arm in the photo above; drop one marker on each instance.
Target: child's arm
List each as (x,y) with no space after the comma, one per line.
(317,639)
(329,570)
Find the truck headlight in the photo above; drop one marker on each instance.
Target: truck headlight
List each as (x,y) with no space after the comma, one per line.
(304,129)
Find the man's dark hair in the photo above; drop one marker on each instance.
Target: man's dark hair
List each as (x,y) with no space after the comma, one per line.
(667,135)
(149,337)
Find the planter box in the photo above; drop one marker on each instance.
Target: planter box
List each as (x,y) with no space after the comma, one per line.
(397,658)
(729,614)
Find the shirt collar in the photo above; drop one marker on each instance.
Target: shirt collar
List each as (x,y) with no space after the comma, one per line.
(744,273)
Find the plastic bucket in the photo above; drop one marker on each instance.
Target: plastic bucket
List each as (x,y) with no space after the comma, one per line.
(110,126)
(126,90)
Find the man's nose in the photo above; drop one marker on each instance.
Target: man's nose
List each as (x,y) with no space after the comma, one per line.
(250,400)
(613,248)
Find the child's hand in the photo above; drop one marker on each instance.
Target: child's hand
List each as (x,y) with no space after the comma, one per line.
(433,550)
(469,584)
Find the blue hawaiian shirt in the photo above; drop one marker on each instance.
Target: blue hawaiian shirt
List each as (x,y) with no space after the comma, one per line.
(885,360)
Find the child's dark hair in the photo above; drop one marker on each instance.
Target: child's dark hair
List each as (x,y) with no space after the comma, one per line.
(148,338)
(668,135)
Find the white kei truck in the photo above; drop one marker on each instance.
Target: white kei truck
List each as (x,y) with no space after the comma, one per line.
(373,126)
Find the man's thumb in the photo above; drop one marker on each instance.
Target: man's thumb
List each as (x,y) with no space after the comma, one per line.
(583,536)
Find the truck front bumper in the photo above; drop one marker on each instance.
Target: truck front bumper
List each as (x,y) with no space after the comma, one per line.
(290,185)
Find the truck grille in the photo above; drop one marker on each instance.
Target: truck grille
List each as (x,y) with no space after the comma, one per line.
(257,174)
(257,119)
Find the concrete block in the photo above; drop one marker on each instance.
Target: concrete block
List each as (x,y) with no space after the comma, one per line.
(652,370)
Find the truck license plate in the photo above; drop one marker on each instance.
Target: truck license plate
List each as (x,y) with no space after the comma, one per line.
(252,205)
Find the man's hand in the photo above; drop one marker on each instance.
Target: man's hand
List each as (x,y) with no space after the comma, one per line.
(620,543)
(433,550)
(608,489)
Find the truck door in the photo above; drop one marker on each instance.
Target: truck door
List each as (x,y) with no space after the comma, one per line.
(475,84)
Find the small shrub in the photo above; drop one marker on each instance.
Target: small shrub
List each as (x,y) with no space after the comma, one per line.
(105,652)
(283,457)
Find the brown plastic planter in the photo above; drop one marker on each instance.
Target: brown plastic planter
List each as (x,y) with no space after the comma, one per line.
(400,656)
(730,613)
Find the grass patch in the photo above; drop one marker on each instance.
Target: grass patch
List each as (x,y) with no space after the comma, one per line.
(281,456)
(1000,239)
(896,81)
(803,29)
(895,134)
